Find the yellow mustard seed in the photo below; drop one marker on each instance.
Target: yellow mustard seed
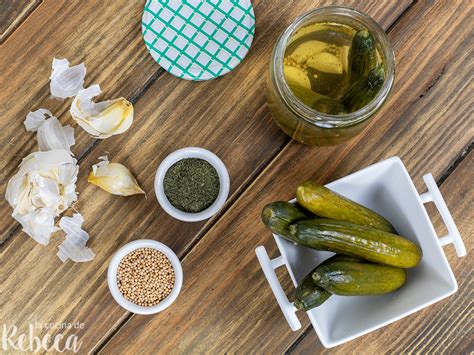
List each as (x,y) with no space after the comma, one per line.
(145,277)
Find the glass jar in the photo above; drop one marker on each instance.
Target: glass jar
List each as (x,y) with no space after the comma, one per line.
(305,124)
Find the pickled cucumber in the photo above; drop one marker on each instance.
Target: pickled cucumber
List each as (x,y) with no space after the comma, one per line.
(317,101)
(325,62)
(364,90)
(307,50)
(356,241)
(329,106)
(326,203)
(349,278)
(308,295)
(278,215)
(362,55)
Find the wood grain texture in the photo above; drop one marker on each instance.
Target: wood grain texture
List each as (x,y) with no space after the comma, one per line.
(227,115)
(12,13)
(226,305)
(445,327)
(106,35)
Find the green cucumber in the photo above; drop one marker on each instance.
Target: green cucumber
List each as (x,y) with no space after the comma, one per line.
(364,90)
(317,101)
(355,240)
(349,278)
(278,215)
(308,295)
(362,55)
(325,203)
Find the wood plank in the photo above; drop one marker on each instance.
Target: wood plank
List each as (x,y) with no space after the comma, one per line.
(12,13)
(441,327)
(172,113)
(226,305)
(106,35)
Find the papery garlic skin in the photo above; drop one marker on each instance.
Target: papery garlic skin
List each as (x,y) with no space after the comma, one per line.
(74,246)
(34,119)
(51,134)
(114,178)
(43,187)
(66,81)
(101,119)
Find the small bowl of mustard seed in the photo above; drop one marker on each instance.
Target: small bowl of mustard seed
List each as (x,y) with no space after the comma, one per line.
(192,184)
(145,276)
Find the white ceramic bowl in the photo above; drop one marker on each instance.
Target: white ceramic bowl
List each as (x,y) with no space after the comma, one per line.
(112,276)
(199,153)
(386,188)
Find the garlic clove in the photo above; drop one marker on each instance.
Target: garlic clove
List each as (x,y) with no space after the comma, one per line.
(102,119)
(50,133)
(115,119)
(104,161)
(43,187)
(296,76)
(66,81)
(114,178)
(74,246)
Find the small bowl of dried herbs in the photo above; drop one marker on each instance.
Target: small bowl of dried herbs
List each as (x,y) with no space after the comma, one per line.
(145,276)
(192,184)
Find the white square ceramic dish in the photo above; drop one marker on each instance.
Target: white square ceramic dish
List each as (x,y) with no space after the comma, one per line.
(386,188)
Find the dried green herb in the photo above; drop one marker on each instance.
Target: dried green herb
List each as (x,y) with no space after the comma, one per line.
(191,185)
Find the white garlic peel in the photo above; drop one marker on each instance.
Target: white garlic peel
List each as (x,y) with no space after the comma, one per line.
(66,81)
(74,246)
(114,178)
(101,119)
(43,187)
(34,119)
(50,133)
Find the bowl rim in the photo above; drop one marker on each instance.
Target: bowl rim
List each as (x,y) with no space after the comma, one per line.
(112,276)
(200,153)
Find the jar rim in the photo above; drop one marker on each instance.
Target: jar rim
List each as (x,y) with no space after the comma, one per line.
(311,115)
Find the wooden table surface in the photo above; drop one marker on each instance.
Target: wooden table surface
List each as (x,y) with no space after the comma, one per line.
(226,304)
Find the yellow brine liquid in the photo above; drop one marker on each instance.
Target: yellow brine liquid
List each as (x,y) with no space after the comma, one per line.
(322,72)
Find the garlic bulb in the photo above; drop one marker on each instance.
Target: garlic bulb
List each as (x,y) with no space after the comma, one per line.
(43,187)
(66,81)
(114,178)
(102,119)
(74,246)
(51,134)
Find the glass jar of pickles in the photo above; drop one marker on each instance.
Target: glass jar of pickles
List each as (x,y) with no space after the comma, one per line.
(330,71)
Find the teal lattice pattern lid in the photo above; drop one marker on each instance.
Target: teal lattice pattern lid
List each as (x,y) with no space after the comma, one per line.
(198,39)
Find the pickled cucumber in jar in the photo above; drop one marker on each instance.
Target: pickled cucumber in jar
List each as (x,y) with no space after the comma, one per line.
(333,68)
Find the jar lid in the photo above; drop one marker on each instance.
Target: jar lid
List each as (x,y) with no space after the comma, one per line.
(196,39)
